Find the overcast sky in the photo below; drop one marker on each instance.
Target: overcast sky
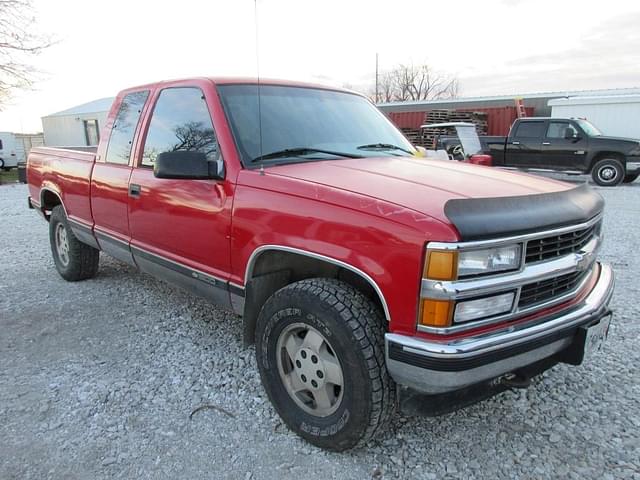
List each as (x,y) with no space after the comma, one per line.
(493,46)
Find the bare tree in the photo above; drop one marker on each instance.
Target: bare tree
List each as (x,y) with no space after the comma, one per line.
(18,43)
(415,82)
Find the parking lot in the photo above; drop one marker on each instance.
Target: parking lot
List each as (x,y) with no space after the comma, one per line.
(103,379)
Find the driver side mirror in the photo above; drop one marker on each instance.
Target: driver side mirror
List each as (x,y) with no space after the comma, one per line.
(187,165)
(570,134)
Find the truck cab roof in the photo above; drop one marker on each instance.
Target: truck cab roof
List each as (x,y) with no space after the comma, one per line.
(242,80)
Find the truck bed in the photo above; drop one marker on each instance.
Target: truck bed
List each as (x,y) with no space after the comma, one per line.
(66,172)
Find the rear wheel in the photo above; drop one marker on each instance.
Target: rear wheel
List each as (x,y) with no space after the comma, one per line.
(608,172)
(320,352)
(74,260)
(630,177)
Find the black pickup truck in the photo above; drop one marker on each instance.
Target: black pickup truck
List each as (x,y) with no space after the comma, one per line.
(567,145)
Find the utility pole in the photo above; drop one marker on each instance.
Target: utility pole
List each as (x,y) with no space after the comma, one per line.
(377,98)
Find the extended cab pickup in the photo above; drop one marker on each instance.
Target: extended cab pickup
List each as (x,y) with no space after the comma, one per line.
(359,270)
(569,145)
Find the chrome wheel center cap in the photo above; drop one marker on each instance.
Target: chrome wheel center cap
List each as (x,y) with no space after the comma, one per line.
(608,173)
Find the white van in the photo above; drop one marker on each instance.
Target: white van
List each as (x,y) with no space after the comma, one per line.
(8,157)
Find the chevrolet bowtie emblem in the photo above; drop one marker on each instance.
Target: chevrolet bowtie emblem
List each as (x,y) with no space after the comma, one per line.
(583,260)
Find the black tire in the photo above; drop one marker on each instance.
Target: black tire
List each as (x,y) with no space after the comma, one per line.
(1,164)
(81,260)
(608,172)
(353,327)
(631,177)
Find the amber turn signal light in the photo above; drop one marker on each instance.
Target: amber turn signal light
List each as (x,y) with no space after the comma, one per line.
(441,265)
(436,313)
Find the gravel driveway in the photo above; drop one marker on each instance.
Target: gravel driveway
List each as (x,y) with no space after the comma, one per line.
(98,380)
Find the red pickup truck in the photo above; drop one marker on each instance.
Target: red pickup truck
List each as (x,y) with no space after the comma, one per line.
(364,275)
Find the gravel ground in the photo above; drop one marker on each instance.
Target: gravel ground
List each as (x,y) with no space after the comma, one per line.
(98,380)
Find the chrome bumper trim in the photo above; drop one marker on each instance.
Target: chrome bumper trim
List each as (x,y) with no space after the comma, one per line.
(632,166)
(436,381)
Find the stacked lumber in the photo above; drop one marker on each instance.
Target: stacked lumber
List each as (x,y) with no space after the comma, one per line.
(414,135)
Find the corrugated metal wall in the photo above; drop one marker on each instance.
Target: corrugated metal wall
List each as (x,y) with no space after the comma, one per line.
(499,119)
(68,130)
(615,119)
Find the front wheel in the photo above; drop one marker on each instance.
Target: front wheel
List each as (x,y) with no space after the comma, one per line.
(631,177)
(74,260)
(608,172)
(320,352)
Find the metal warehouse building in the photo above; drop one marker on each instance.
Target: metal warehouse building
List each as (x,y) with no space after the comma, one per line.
(615,112)
(599,106)
(617,115)
(78,126)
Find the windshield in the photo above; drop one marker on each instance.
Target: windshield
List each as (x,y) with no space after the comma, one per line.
(295,118)
(589,128)
(469,139)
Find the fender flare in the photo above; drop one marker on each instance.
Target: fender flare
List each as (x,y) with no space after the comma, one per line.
(265,248)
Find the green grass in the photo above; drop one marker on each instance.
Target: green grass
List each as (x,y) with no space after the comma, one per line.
(9,177)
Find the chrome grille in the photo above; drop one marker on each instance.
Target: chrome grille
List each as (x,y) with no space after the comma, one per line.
(538,292)
(554,246)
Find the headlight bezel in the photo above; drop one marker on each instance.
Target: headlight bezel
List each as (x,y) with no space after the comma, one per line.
(443,265)
(455,272)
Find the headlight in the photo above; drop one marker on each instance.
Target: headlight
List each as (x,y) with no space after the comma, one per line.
(635,152)
(453,264)
(489,260)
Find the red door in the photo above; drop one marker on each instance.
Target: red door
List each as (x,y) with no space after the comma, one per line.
(180,228)
(110,177)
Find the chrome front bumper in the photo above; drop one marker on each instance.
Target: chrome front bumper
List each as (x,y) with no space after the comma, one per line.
(633,167)
(438,366)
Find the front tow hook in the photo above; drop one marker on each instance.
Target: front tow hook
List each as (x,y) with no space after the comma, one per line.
(515,380)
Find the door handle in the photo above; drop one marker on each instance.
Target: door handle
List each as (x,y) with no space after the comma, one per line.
(546,143)
(134,190)
(515,143)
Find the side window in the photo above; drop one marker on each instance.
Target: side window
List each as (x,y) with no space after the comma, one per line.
(558,129)
(180,121)
(91,132)
(530,130)
(124,127)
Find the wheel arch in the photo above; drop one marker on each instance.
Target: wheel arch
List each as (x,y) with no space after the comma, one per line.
(601,155)
(50,198)
(271,267)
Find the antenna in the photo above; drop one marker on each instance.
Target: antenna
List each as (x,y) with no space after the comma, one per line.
(377,97)
(255,6)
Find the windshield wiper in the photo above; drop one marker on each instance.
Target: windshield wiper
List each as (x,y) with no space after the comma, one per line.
(384,146)
(296,152)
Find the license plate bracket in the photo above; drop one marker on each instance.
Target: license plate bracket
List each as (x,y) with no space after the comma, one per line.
(587,341)
(595,335)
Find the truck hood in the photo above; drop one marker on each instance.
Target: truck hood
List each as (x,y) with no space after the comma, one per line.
(620,142)
(427,186)
(421,185)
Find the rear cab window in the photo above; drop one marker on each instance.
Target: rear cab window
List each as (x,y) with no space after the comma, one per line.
(529,130)
(124,127)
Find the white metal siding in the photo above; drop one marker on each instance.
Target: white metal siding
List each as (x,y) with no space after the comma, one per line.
(614,116)
(68,130)
(25,142)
